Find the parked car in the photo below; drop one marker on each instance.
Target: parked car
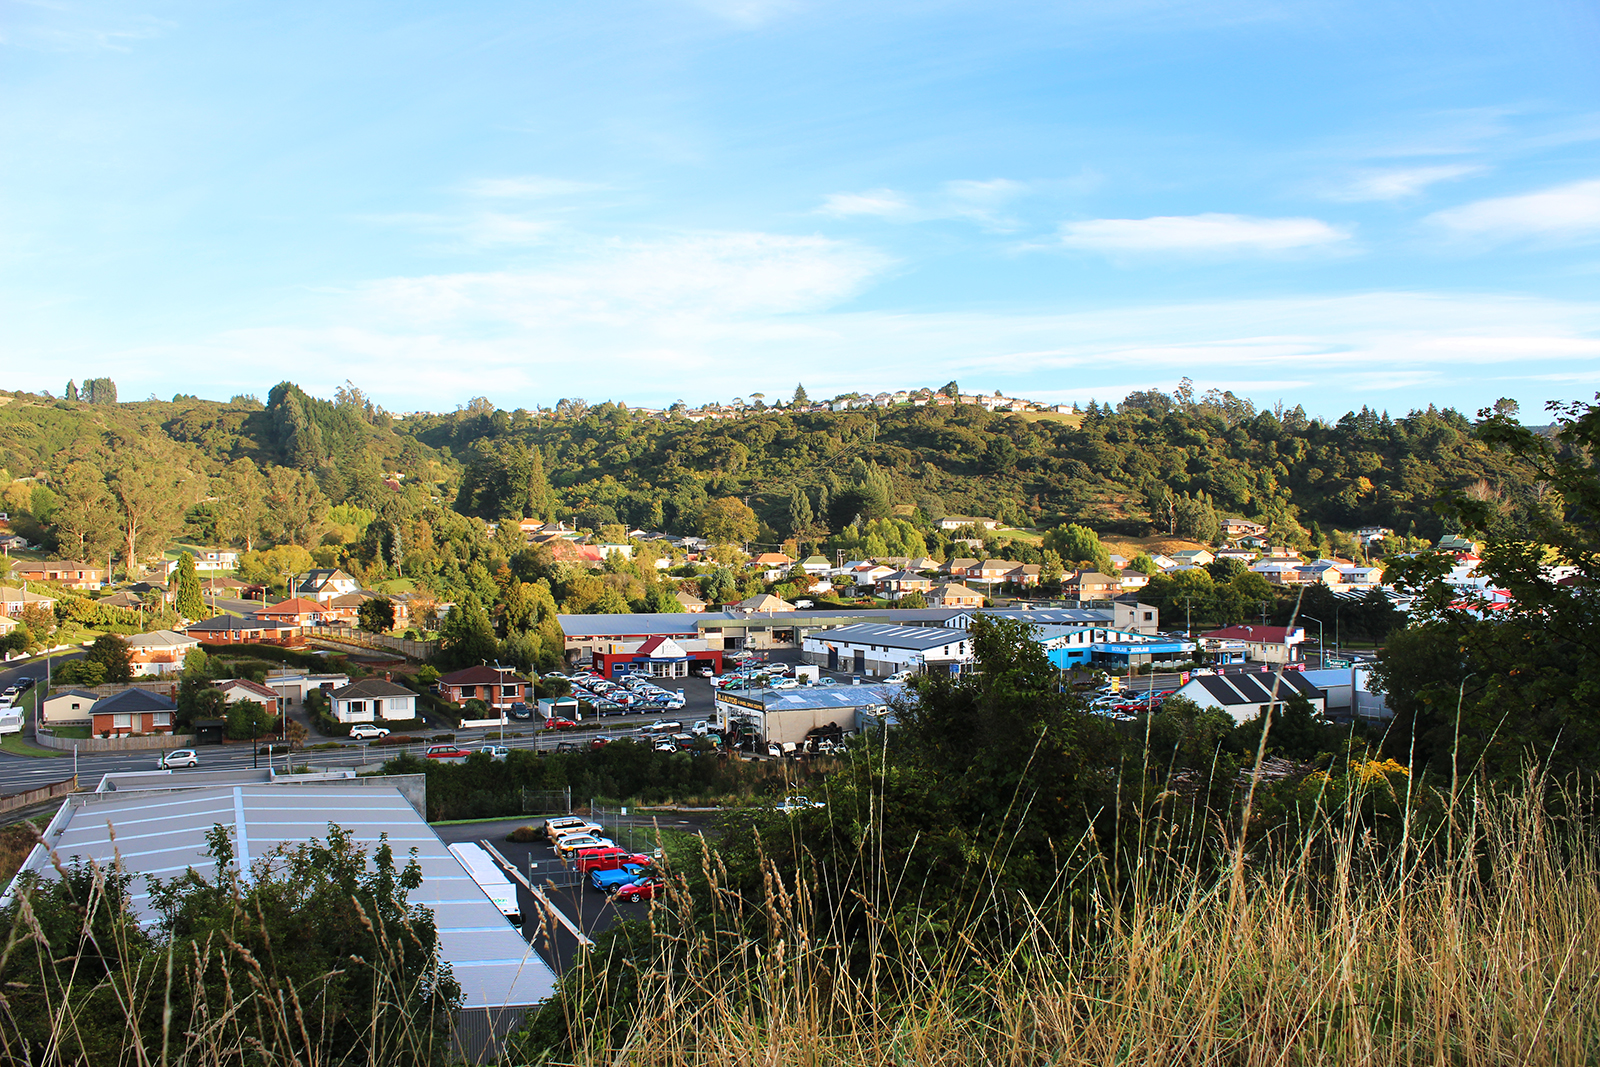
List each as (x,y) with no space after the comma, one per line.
(600,740)
(365,731)
(783,683)
(557,825)
(824,680)
(646,889)
(608,859)
(570,844)
(664,726)
(609,881)
(705,672)
(520,710)
(559,724)
(178,757)
(665,745)
(446,752)
(899,678)
(495,751)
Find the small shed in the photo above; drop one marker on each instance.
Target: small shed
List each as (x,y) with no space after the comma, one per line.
(209,731)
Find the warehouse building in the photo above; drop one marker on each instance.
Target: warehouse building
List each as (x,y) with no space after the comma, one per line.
(880,649)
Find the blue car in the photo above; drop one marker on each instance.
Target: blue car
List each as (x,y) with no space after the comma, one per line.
(607,881)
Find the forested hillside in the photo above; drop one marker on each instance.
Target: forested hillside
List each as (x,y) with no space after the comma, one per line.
(347,484)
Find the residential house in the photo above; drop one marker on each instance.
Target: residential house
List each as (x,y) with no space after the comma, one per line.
(1090,585)
(237,690)
(1117,561)
(232,630)
(960,567)
(1367,535)
(1262,644)
(1193,557)
(1243,555)
(296,612)
(1277,571)
(1132,580)
(1024,574)
(609,548)
(132,711)
(69,573)
(689,601)
(869,576)
(12,601)
(955,522)
(13,542)
(122,598)
(1166,563)
(816,566)
(323,584)
(67,707)
(1321,572)
(764,602)
(498,687)
(955,595)
(7,624)
(991,572)
(901,583)
(373,700)
(1248,696)
(1241,528)
(1360,579)
(1255,543)
(772,559)
(214,561)
(1455,543)
(161,652)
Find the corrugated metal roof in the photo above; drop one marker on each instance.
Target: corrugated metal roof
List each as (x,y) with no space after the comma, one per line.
(163,834)
(843,697)
(917,637)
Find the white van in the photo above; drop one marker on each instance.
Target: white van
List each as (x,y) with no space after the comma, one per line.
(490,878)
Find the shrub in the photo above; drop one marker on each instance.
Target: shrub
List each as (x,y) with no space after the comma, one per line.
(523,834)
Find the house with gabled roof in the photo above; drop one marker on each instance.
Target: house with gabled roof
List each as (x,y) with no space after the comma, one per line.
(161,652)
(689,601)
(132,711)
(373,700)
(815,566)
(297,612)
(323,584)
(955,595)
(1248,696)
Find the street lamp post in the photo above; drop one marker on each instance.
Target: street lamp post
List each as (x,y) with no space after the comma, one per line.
(1322,651)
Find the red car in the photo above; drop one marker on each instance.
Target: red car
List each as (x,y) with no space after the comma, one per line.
(558,724)
(446,752)
(645,889)
(608,859)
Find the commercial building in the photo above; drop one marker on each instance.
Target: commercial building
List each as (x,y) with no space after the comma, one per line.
(1246,696)
(875,648)
(786,716)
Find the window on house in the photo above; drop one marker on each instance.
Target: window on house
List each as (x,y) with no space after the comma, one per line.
(356,707)
(122,722)
(162,718)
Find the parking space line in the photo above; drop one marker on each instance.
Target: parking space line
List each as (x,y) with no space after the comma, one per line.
(555,912)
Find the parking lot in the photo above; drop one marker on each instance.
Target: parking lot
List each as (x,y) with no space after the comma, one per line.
(584,909)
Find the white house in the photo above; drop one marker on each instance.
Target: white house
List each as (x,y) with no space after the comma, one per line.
(373,699)
(215,560)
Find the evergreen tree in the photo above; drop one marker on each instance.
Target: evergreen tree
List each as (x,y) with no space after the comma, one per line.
(72,390)
(190,604)
(800,517)
(800,395)
(468,634)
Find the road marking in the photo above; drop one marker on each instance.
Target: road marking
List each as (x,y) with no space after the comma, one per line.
(538,894)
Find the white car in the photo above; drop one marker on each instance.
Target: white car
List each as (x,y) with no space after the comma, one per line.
(571,843)
(365,731)
(899,678)
(783,683)
(178,757)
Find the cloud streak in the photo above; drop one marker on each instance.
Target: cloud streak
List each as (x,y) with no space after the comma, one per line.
(1214,234)
(1564,213)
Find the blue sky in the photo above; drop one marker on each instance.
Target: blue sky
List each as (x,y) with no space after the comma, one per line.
(1330,204)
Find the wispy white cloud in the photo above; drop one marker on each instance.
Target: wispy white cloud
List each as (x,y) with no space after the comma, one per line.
(479,230)
(704,275)
(1215,234)
(1564,213)
(1398,183)
(976,200)
(529,187)
(879,203)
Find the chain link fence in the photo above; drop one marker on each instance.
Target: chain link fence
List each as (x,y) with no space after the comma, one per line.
(632,830)
(547,801)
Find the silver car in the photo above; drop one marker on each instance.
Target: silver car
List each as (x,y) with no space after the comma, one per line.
(178,757)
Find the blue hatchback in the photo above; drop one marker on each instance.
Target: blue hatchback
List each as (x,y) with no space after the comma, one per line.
(606,881)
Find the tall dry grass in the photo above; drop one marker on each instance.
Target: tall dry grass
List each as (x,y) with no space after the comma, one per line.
(1477,945)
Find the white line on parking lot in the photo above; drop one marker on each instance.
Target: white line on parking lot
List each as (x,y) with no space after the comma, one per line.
(544,901)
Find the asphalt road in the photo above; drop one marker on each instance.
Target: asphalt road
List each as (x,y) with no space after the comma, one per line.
(22,772)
